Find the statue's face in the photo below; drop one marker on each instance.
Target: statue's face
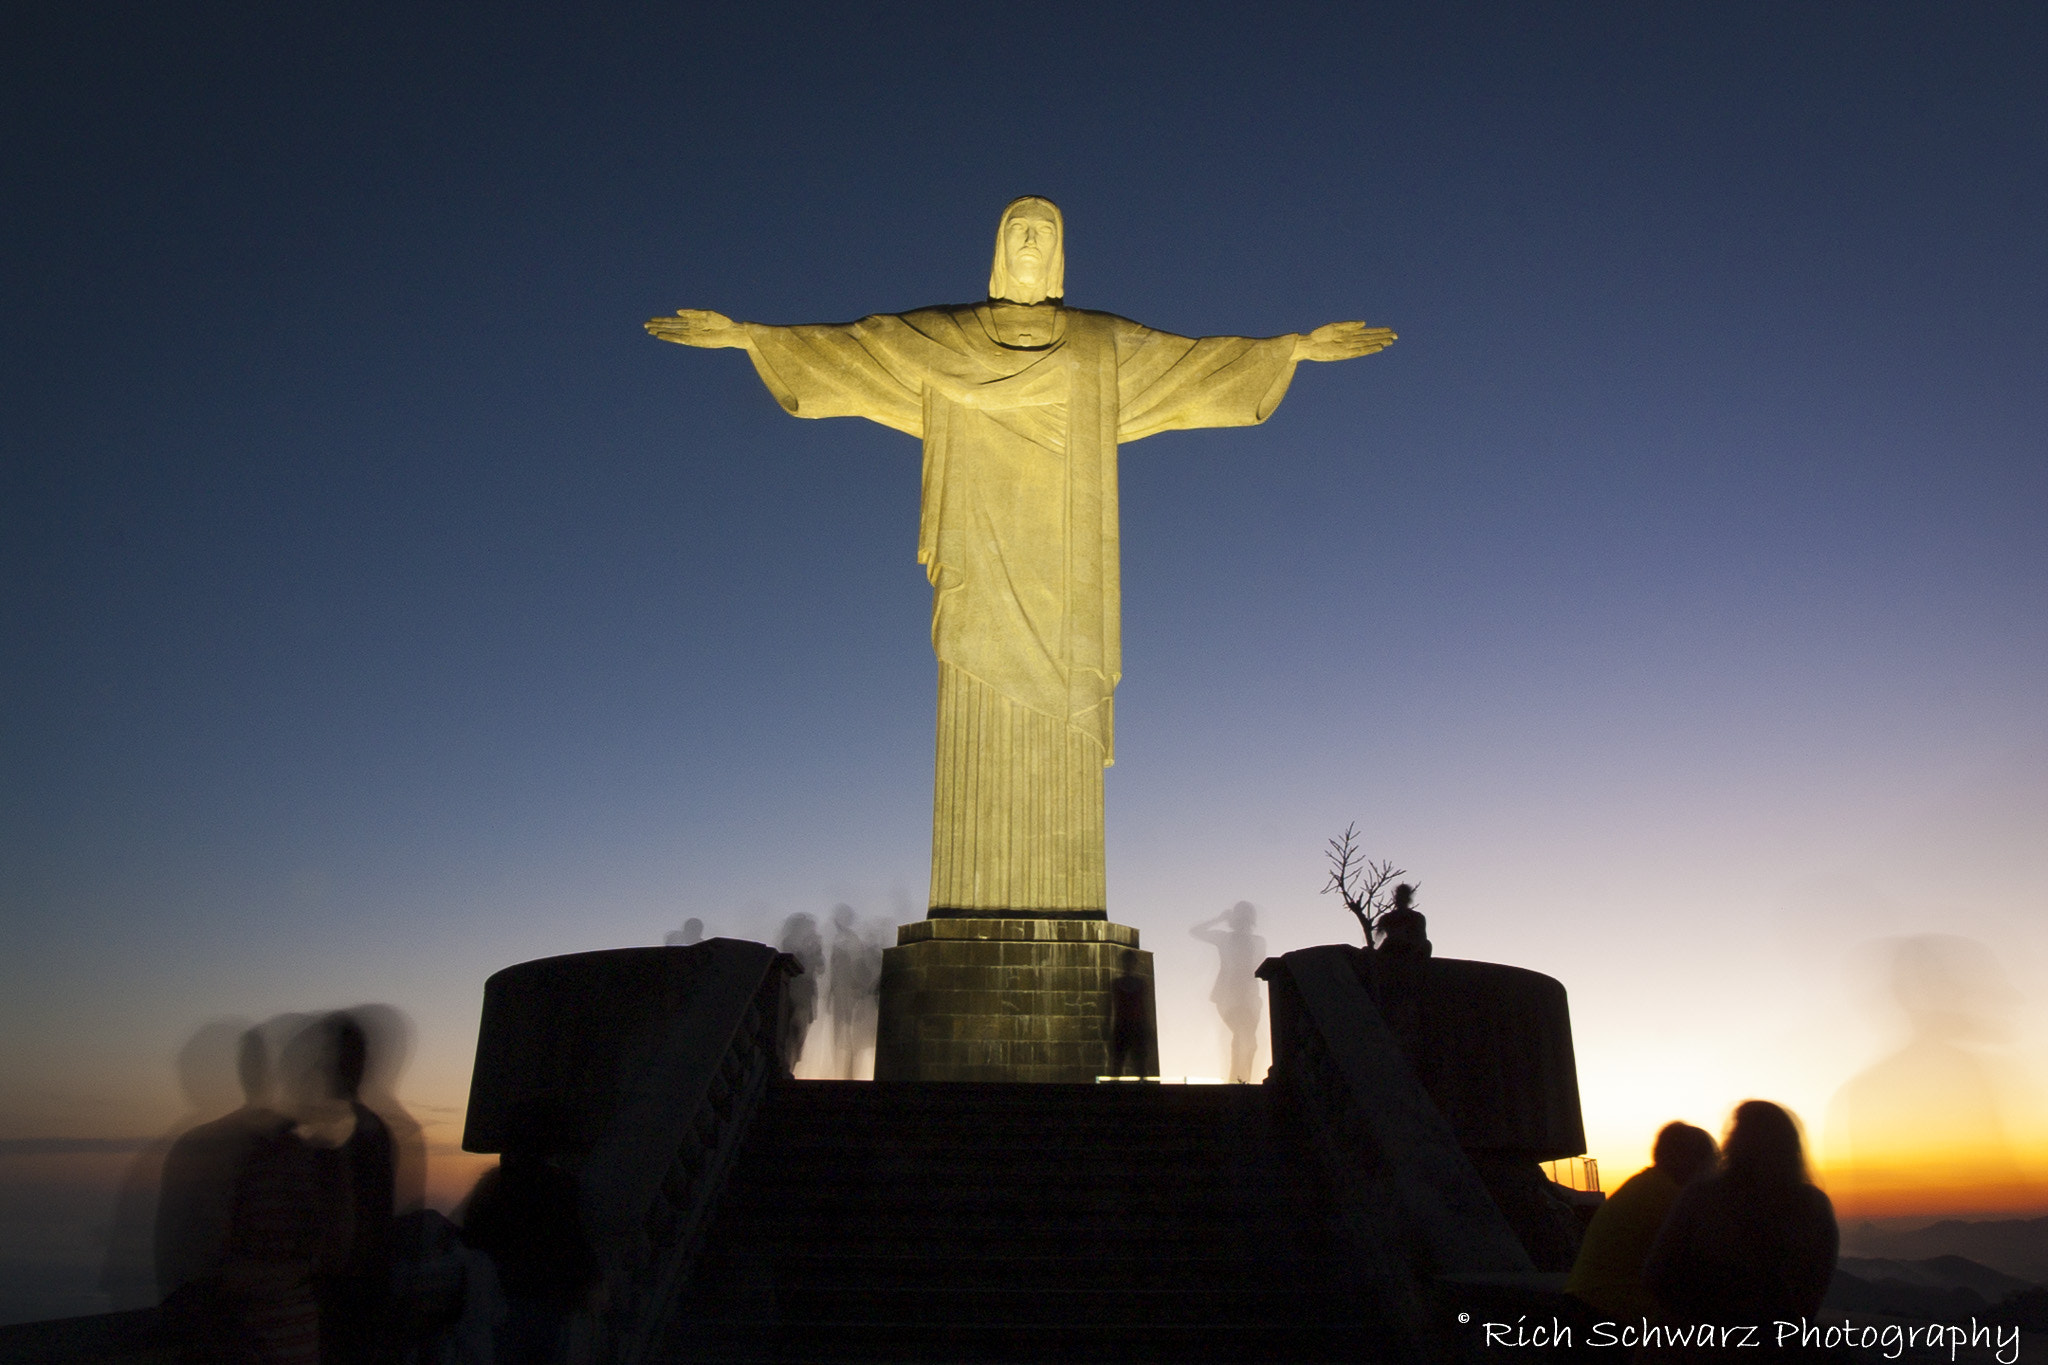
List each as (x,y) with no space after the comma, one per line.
(1030,238)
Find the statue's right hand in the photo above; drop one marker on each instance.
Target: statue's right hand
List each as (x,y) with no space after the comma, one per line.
(698,327)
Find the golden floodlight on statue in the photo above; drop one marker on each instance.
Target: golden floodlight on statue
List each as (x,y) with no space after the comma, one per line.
(1021,403)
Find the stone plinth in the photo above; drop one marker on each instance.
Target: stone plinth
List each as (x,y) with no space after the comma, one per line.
(1492,1045)
(1006,1000)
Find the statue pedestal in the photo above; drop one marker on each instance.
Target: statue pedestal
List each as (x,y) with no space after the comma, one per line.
(1007,1000)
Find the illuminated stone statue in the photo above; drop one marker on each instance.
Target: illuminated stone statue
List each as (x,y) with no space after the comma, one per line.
(1021,403)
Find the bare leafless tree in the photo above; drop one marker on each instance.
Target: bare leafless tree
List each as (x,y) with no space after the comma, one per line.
(1360,881)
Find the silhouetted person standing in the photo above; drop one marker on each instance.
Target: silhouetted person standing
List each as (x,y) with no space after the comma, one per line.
(355,1296)
(132,1274)
(290,1221)
(389,1037)
(1608,1275)
(1130,1023)
(523,1215)
(1236,993)
(691,933)
(853,983)
(1754,1243)
(195,1199)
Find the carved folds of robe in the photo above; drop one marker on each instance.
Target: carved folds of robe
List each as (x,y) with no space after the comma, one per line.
(1021,409)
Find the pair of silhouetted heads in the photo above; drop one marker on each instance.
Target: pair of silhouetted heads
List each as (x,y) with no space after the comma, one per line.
(1763,1148)
(324,1060)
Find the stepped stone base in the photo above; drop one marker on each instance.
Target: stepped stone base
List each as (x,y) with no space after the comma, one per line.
(1006,1000)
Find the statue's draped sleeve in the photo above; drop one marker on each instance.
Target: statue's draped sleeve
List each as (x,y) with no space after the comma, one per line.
(1173,383)
(878,368)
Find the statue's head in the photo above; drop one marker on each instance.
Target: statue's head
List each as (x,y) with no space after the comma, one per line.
(1031,252)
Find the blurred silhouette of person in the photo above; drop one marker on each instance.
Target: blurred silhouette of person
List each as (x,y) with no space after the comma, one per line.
(289,1221)
(1928,1117)
(389,1035)
(206,1068)
(1608,1275)
(1236,993)
(853,984)
(1130,1032)
(355,1293)
(800,940)
(691,932)
(1754,1242)
(523,1215)
(195,1201)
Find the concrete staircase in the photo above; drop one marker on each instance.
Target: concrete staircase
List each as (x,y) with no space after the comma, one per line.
(961,1222)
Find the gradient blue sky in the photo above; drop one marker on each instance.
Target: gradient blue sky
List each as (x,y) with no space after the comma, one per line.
(382,607)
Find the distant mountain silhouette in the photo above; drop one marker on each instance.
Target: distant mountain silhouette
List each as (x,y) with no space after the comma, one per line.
(1937,1289)
(2015,1246)
(1938,1272)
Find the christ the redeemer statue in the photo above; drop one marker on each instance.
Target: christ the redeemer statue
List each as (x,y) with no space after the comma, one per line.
(1021,403)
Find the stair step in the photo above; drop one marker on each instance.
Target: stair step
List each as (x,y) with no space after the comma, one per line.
(1107,1271)
(844,1343)
(969,1223)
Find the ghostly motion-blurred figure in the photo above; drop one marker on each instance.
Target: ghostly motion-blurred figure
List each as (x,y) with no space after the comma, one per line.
(1236,993)
(691,932)
(853,983)
(1927,1125)
(388,1035)
(206,1066)
(288,1221)
(195,1202)
(799,938)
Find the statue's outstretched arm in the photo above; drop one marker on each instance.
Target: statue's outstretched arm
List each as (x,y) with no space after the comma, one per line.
(1332,341)
(699,327)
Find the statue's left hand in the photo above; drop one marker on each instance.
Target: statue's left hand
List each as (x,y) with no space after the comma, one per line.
(698,327)
(1342,341)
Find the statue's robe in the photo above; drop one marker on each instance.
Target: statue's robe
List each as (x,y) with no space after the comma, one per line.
(1021,409)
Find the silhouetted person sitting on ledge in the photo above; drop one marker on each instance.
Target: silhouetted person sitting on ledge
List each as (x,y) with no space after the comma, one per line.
(1403,930)
(1395,970)
(523,1215)
(1608,1275)
(1755,1243)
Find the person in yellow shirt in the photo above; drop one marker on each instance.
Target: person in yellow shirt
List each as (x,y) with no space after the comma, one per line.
(1608,1276)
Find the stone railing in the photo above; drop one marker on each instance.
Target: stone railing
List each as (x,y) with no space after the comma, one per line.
(658,1057)
(1412,1202)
